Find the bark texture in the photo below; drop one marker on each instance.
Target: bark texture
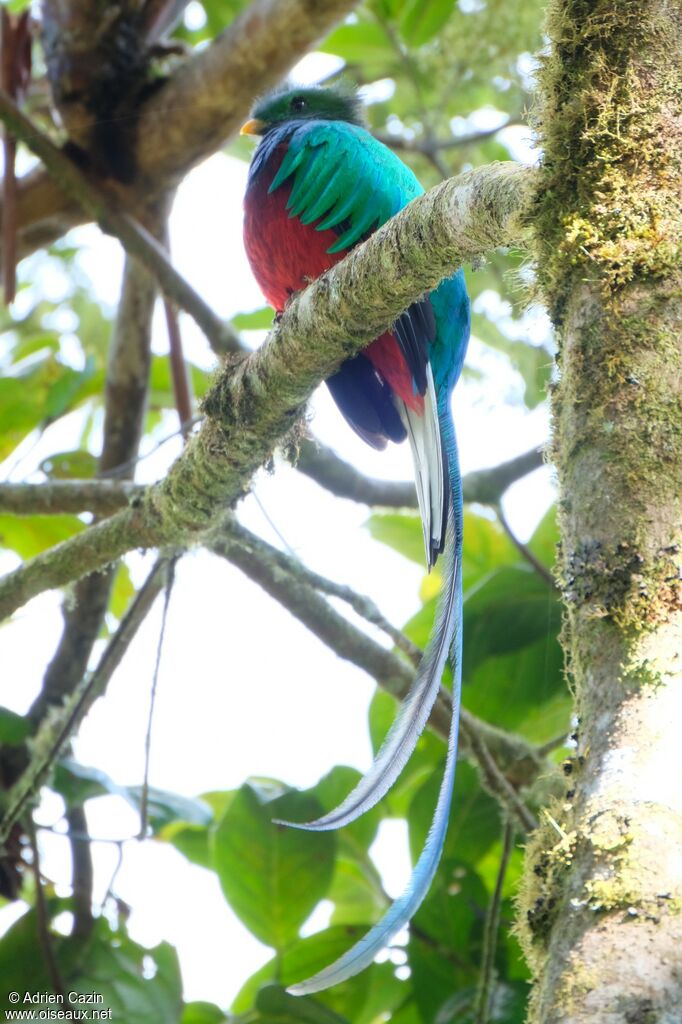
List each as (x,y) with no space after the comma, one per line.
(254,405)
(165,130)
(601,918)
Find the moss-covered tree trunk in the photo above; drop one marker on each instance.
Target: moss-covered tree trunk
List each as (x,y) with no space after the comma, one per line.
(602,916)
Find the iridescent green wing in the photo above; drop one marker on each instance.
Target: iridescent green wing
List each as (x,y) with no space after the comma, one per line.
(343,179)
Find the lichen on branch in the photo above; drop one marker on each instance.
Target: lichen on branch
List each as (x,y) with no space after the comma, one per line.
(254,403)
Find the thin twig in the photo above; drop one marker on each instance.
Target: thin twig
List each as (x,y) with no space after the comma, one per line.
(364,606)
(495,781)
(182,389)
(554,744)
(181,385)
(523,549)
(484,486)
(427,146)
(55,730)
(54,497)
(486,986)
(144,799)
(82,874)
(43,918)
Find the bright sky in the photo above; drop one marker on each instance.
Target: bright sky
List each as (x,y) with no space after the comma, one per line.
(244,689)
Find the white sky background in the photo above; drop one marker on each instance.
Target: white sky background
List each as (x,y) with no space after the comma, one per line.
(244,688)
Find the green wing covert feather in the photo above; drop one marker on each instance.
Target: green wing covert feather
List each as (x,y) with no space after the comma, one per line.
(344,177)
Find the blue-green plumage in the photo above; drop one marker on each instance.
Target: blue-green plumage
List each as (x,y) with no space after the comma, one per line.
(319,184)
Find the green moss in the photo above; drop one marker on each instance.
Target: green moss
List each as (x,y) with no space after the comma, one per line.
(616,582)
(541,896)
(608,206)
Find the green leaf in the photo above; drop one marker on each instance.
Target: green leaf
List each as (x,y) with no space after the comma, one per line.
(203,1013)
(300,960)
(401,531)
(257,320)
(474,821)
(13,728)
(78,783)
(486,545)
(194,841)
(356,892)
(73,465)
(544,541)
(137,985)
(424,18)
(29,535)
(486,548)
(272,876)
(278,1007)
(386,993)
(362,41)
(523,691)
(509,610)
(68,389)
(122,593)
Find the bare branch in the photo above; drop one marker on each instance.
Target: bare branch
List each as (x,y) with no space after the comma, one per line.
(429,146)
(523,549)
(58,496)
(125,403)
(485,486)
(251,408)
(82,872)
(205,100)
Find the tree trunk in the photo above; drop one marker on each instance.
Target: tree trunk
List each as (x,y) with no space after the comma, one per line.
(601,916)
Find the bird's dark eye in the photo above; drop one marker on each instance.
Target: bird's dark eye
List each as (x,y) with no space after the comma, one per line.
(298,104)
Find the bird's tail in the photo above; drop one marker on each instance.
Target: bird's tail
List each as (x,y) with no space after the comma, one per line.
(432,439)
(402,738)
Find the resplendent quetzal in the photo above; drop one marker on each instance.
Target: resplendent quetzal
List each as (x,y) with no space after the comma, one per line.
(319,184)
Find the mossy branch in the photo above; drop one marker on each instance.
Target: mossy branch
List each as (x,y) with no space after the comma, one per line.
(315,460)
(255,403)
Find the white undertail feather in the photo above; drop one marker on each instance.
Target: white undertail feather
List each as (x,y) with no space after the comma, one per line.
(423,431)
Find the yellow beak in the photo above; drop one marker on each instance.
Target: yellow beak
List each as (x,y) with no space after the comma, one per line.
(252,127)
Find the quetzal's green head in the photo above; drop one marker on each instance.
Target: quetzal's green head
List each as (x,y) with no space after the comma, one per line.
(304,103)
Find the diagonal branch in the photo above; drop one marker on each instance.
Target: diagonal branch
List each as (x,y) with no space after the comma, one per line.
(103,207)
(195,111)
(253,406)
(56,729)
(500,756)
(485,486)
(430,146)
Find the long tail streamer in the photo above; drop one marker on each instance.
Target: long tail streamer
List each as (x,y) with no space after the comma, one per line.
(448,634)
